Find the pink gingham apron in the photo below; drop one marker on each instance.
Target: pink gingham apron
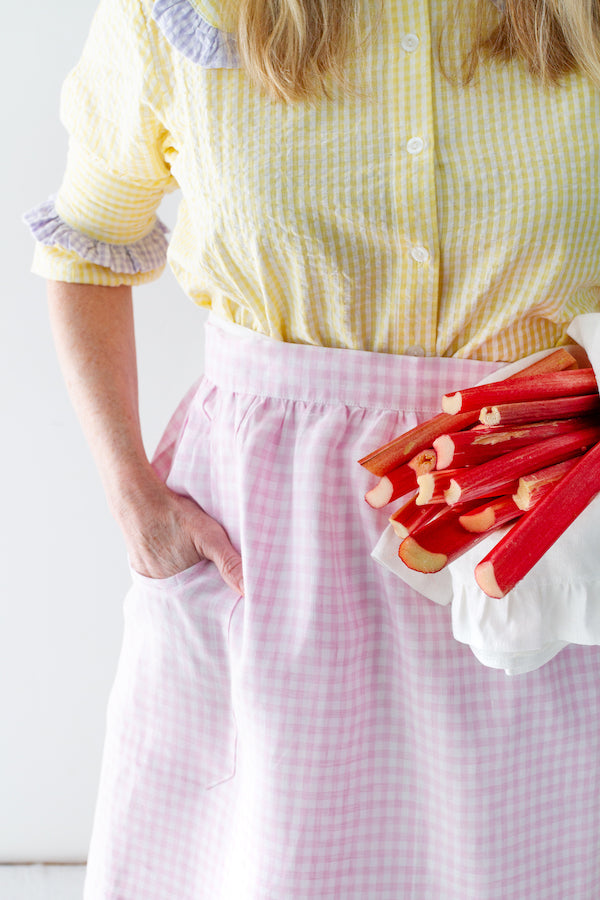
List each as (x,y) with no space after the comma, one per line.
(326,736)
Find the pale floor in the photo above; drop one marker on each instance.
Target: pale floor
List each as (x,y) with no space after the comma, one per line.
(39,882)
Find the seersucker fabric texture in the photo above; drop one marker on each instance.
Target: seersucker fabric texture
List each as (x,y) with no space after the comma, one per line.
(325,736)
(461,221)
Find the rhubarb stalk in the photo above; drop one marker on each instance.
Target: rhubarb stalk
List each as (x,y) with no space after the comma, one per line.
(491,514)
(411,516)
(509,414)
(433,486)
(400,481)
(532,488)
(395,484)
(494,477)
(438,542)
(521,389)
(527,541)
(400,450)
(478,445)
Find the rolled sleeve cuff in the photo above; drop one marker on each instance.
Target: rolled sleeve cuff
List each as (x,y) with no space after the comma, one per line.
(64,253)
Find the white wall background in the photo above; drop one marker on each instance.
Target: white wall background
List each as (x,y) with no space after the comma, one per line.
(63,573)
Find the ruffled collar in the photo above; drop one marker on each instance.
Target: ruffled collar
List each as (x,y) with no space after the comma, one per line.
(194,37)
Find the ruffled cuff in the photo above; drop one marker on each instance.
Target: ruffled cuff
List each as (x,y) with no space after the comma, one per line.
(200,42)
(145,255)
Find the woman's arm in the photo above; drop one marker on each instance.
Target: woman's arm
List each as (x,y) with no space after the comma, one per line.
(164,532)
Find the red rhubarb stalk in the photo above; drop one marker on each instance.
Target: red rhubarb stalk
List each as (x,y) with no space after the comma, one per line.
(410,516)
(492,513)
(509,414)
(557,361)
(521,389)
(494,477)
(400,481)
(433,486)
(437,543)
(473,447)
(534,487)
(395,484)
(527,541)
(403,448)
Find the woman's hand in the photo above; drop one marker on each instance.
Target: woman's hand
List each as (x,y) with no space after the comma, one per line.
(166,533)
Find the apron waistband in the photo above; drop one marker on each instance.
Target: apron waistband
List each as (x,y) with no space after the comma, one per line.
(243,361)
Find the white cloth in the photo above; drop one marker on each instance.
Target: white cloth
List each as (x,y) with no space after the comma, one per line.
(557,603)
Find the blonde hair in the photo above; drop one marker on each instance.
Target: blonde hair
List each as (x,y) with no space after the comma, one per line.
(551,37)
(297,49)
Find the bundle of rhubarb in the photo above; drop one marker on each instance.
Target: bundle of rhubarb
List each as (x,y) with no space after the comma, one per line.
(525,450)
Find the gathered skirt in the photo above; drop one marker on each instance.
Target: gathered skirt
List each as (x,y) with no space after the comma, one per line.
(325,736)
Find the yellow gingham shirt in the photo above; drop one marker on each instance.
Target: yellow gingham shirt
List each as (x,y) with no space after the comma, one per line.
(418,217)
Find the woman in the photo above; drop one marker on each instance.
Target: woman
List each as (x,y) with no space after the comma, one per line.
(379,203)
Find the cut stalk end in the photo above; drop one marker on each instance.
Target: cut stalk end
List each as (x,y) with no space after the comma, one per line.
(452,493)
(522,497)
(486,579)
(452,403)
(478,522)
(426,485)
(490,415)
(420,560)
(381,494)
(444,448)
(400,529)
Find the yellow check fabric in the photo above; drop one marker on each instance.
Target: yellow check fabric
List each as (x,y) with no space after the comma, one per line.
(419,216)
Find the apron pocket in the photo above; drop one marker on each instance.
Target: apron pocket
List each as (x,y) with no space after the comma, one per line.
(170,708)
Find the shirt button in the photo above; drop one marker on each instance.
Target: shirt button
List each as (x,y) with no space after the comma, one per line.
(415,145)
(414,350)
(409,43)
(419,254)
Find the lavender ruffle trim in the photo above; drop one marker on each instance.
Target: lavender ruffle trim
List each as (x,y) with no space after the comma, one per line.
(144,255)
(200,42)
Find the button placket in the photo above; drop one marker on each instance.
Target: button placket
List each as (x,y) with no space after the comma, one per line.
(420,237)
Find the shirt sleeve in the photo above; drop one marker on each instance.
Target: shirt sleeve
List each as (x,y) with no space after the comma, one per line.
(102,227)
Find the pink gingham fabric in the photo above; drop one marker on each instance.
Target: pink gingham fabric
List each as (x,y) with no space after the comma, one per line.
(325,736)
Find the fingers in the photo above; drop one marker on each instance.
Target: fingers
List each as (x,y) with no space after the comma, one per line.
(212,542)
(230,568)
(166,533)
